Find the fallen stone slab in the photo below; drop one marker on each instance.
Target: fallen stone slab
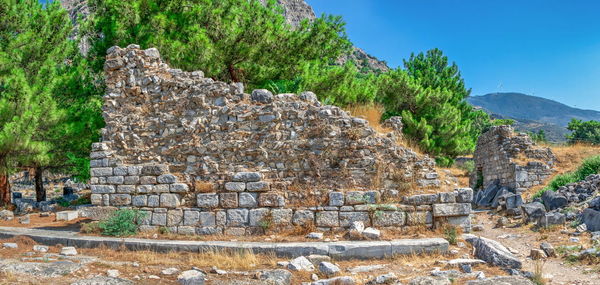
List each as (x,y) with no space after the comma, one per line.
(191,277)
(342,280)
(67,215)
(493,252)
(40,269)
(277,276)
(430,280)
(502,280)
(103,280)
(591,219)
(366,268)
(463,261)
(338,250)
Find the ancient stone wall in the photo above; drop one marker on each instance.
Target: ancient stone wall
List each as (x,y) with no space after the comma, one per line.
(204,157)
(510,160)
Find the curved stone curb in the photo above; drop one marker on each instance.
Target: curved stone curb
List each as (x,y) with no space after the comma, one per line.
(338,250)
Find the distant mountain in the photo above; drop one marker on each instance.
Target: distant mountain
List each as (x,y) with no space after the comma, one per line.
(533,113)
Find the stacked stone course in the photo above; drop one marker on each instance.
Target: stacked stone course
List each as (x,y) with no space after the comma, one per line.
(202,157)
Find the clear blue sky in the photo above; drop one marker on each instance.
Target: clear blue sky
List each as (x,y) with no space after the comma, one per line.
(546,48)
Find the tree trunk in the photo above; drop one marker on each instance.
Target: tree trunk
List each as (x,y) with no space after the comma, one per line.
(40,192)
(4,189)
(232,74)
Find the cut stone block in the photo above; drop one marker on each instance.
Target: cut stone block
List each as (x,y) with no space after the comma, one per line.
(67,215)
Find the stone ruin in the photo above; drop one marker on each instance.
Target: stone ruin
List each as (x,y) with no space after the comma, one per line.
(506,164)
(202,157)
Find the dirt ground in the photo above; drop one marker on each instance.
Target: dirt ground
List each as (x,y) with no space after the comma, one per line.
(522,239)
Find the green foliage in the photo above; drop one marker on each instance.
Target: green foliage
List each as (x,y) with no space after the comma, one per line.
(230,40)
(451,235)
(432,116)
(468,166)
(63,202)
(588,167)
(50,110)
(588,132)
(538,137)
(123,222)
(333,84)
(33,47)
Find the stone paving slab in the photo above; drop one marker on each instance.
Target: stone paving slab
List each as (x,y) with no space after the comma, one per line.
(338,250)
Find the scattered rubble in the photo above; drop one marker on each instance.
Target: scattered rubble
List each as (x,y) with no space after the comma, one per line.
(493,252)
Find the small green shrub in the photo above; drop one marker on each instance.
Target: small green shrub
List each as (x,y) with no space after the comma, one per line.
(85,200)
(164,230)
(451,235)
(468,166)
(122,222)
(90,228)
(63,202)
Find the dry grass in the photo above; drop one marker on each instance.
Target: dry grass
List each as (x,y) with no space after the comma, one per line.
(226,260)
(371,113)
(568,158)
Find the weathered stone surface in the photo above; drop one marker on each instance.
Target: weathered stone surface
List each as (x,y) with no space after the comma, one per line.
(257,186)
(169,200)
(493,252)
(502,280)
(237,217)
(301,264)
(328,269)
(303,217)
(533,211)
(6,215)
(429,280)
(247,177)
(389,218)
(341,280)
(328,219)
(174,217)
(347,218)
(248,200)
(104,280)
(120,199)
(553,200)
(191,277)
(207,200)
(277,276)
(228,200)
(235,186)
(449,210)
(550,219)
(591,218)
(336,199)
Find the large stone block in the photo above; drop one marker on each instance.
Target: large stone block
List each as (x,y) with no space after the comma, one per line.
(235,186)
(328,219)
(237,217)
(153,201)
(129,189)
(282,217)
(159,219)
(207,219)
(303,217)
(465,195)
(102,189)
(347,218)
(449,210)
(389,218)
(248,200)
(120,199)
(271,200)
(104,171)
(361,197)
(258,186)
(228,200)
(154,170)
(210,200)
(166,179)
(336,199)
(169,200)
(256,216)
(114,180)
(191,218)
(139,201)
(247,177)
(174,217)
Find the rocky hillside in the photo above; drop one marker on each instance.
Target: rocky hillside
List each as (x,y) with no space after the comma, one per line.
(533,113)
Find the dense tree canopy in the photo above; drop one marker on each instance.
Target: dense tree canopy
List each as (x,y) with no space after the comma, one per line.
(230,40)
(47,120)
(587,132)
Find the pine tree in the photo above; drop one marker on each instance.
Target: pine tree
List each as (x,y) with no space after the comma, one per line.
(230,40)
(34,51)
